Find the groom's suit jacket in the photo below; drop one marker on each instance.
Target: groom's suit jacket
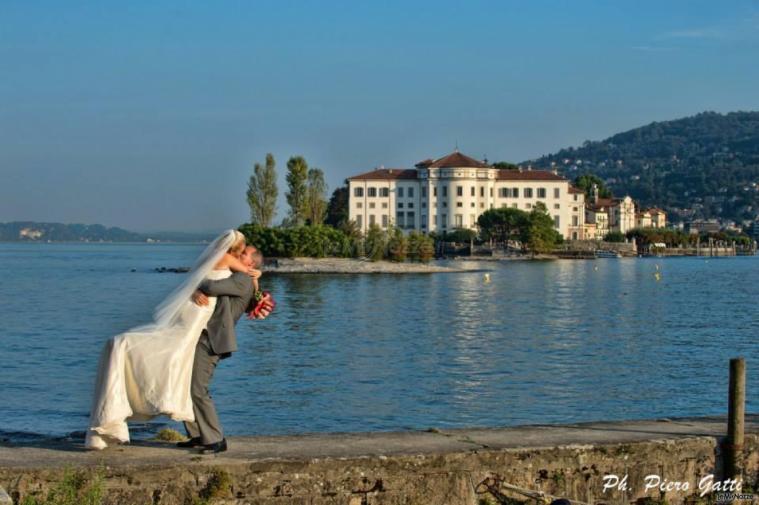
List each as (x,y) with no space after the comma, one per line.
(234,295)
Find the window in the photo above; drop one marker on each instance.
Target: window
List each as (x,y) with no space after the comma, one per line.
(515,205)
(424,205)
(444,220)
(411,192)
(359,221)
(575,197)
(371,205)
(472,204)
(400,192)
(458,220)
(434,191)
(410,205)
(445,190)
(574,209)
(400,205)
(384,220)
(471,191)
(556,192)
(410,217)
(574,235)
(358,191)
(445,204)
(528,193)
(424,192)
(384,205)
(359,205)
(372,220)
(556,206)
(515,192)
(555,221)
(482,205)
(399,219)
(491,192)
(459,204)
(575,221)
(502,192)
(528,206)
(473,219)
(424,221)
(541,192)
(372,192)
(482,191)
(385,192)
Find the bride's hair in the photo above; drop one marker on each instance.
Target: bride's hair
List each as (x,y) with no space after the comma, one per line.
(238,245)
(168,311)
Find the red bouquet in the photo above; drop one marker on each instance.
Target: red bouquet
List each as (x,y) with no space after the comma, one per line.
(264,302)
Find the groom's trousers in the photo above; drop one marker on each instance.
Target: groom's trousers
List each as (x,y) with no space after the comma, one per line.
(206,425)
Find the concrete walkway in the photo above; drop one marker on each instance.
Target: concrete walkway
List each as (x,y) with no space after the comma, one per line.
(244,450)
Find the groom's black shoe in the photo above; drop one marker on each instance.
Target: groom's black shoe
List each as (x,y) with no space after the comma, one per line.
(215,447)
(193,442)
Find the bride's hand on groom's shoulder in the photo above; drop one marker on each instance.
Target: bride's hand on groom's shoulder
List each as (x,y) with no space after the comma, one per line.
(254,273)
(200,298)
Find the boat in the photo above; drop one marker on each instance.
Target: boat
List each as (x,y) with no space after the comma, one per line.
(600,253)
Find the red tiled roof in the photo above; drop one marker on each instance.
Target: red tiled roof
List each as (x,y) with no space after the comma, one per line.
(573,189)
(453,160)
(385,174)
(527,175)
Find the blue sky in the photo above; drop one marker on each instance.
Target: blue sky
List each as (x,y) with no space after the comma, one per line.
(149,115)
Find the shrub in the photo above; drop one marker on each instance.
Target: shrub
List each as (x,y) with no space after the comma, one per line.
(397,245)
(375,243)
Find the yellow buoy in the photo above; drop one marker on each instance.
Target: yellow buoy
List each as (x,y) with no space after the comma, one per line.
(486,278)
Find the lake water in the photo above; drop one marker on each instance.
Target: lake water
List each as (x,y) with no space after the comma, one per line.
(543,342)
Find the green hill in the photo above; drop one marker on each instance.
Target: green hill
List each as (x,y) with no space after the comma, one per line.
(704,166)
(32,231)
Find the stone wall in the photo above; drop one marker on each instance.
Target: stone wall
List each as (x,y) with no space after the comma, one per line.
(572,471)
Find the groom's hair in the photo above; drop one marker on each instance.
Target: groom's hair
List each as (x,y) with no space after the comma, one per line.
(257,257)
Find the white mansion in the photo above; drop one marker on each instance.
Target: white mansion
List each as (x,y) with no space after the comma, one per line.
(451,192)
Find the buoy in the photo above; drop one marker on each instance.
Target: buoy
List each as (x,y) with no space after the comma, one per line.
(486,278)
(657,275)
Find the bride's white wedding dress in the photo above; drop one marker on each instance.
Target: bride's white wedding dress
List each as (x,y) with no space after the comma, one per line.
(147,371)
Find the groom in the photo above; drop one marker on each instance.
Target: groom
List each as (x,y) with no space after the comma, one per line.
(217,341)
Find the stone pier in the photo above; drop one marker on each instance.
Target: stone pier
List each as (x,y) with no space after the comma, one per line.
(435,467)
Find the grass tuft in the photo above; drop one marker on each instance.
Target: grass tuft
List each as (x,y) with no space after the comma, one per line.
(76,488)
(169,435)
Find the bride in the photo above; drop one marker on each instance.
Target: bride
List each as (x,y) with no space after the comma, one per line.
(147,371)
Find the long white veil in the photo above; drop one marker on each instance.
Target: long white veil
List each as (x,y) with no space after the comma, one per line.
(167,311)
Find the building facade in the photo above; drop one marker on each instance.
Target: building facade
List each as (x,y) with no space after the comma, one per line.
(651,218)
(608,215)
(451,192)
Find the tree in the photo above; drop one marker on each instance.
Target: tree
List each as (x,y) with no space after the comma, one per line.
(337,208)
(505,165)
(586,181)
(297,177)
(316,197)
(541,236)
(262,192)
(503,224)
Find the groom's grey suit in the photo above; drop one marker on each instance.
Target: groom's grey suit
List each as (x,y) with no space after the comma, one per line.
(217,341)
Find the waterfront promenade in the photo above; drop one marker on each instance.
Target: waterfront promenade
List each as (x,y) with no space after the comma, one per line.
(436,466)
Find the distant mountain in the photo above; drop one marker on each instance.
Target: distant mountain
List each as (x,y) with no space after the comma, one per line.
(30,231)
(704,166)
